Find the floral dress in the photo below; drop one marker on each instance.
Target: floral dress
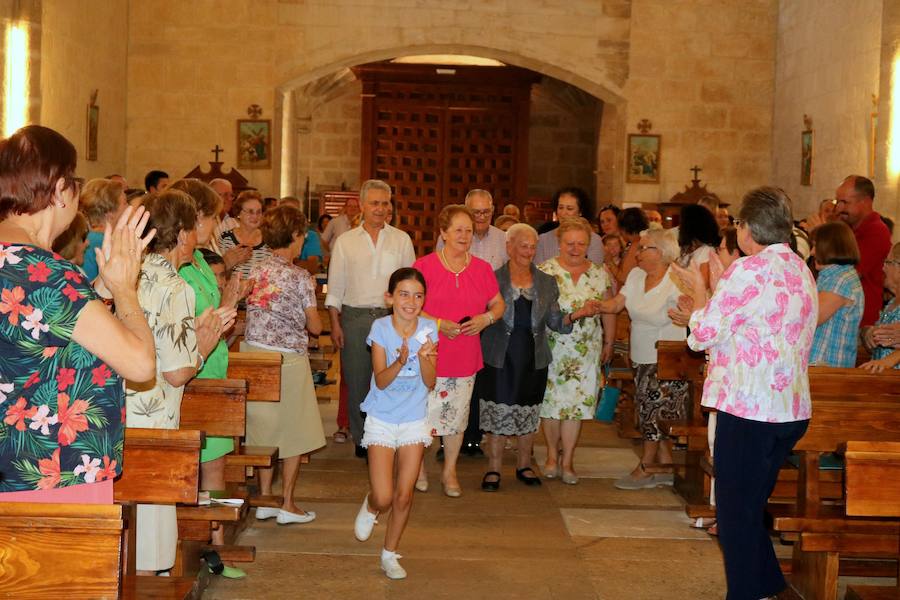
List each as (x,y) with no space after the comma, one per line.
(890,315)
(575,376)
(61,406)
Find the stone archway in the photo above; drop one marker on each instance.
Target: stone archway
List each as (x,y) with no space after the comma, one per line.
(591,79)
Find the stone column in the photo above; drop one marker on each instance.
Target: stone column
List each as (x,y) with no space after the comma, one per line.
(887,171)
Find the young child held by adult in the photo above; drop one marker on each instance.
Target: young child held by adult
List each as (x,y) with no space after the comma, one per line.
(404,355)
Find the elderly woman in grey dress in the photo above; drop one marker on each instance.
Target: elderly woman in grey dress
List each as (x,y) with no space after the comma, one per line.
(516,352)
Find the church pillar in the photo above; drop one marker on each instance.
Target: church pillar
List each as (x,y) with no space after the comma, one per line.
(610,179)
(287,165)
(887,166)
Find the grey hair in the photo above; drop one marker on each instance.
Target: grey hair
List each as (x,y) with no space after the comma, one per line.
(665,242)
(517,230)
(373,184)
(218,180)
(767,212)
(477,192)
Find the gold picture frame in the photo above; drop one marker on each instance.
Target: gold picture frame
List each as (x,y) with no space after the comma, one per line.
(254,143)
(644,154)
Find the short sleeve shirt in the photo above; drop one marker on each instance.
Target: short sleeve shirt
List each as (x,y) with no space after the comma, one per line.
(649,314)
(90,267)
(168,303)
(275,308)
(312,245)
(61,406)
(260,252)
(404,399)
(887,317)
(461,356)
(835,341)
(202,280)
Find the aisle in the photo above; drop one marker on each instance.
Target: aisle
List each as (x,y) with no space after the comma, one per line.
(588,541)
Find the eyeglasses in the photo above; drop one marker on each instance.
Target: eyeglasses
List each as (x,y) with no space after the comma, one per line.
(251,213)
(738,222)
(642,248)
(484,212)
(895,263)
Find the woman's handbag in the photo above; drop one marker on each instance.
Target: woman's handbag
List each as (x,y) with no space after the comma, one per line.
(609,398)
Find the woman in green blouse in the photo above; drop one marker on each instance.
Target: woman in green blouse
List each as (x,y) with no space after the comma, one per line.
(201,278)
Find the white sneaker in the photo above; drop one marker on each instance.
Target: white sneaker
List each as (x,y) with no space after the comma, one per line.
(365,521)
(391,566)
(265,512)
(286,518)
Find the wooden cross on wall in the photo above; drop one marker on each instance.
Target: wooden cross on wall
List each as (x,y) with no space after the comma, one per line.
(217,151)
(696,170)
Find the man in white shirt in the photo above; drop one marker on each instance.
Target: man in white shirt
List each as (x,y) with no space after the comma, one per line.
(488,242)
(362,261)
(341,223)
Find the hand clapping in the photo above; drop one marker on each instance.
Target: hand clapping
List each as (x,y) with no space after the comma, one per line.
(119,259)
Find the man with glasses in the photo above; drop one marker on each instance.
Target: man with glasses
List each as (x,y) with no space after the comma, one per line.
(854,199)
(488,242)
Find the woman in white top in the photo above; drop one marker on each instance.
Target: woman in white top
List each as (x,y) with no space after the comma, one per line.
(648,294)
(698,237)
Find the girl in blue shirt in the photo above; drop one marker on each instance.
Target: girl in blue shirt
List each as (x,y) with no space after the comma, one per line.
(404,355)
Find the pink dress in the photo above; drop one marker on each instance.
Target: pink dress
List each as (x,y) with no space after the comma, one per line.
(461,356)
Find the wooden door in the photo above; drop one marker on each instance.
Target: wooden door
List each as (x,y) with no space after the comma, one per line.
(433,138)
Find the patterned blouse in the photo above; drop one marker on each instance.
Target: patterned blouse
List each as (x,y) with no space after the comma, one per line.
(758,328)
(228,240)
(61,406)
(275,308)
(836,340)
(888,316)
(168,303)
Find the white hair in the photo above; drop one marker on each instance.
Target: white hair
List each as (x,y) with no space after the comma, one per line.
(477,192)
(373,184)
(517,230)
(664,242)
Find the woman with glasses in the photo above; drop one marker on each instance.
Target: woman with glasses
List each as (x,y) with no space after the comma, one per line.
(248,210)
(648,294)
(883,338)
(567,203)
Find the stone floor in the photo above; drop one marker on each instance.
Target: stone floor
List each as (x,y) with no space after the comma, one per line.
(588,541)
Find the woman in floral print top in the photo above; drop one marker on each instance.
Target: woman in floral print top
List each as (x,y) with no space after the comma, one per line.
(62,353)
(758,328)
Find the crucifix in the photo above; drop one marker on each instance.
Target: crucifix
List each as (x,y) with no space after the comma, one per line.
(696,170)
(217,151)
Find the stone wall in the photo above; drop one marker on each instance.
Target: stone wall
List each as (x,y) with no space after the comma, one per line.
(84,47)
(702,73)
(827,67)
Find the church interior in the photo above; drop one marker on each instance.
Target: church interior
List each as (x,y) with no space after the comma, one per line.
(643,103)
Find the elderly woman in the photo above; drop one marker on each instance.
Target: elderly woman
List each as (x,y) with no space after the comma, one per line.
(463,298)
(510,387)
(58,335)
(648,293)
(102,202)
(248,210)
(632,221)
(183,343)
(841,298)
(574,376)
(883,338)
(568,202)
(281,313)
(758,328)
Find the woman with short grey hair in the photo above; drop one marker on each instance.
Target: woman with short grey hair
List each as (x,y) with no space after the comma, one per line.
(649,292)
(516,352)
(758,329)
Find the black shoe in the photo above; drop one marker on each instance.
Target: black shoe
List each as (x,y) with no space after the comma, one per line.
(530,479)
(472,449)
(361,452)
(440,454)
(490,486)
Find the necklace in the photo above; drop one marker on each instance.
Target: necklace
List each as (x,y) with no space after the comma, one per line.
(456,273)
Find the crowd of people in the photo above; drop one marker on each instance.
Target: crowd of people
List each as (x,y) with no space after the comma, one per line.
(112,302)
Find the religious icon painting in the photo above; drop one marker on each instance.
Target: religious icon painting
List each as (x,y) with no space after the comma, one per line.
(254,144)
(806,157)
(643,158)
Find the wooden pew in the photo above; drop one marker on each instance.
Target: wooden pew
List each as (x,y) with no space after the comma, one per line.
(848,404)
(873,490)
(98,541)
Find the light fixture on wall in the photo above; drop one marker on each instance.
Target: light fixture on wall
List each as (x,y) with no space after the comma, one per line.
(15,81)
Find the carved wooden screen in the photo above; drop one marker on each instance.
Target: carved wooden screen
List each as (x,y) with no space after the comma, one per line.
(433,138)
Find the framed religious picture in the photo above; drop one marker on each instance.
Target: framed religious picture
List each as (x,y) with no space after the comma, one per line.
(254,140)
(643,158)
(93,127)
(806,157)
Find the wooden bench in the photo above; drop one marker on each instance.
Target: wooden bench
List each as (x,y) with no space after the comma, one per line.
(77,551)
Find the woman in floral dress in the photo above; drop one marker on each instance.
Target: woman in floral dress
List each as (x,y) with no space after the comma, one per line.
(574,378)
(62,353)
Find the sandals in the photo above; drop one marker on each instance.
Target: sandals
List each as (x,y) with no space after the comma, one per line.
(490,486)
(340,437)
(529,480)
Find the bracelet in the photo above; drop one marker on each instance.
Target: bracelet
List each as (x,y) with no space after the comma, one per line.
(490,317)
(439,325)
(202,362)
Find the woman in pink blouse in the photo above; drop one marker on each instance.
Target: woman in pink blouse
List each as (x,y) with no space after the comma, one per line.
(281,309)
(758,328)
(464,298)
